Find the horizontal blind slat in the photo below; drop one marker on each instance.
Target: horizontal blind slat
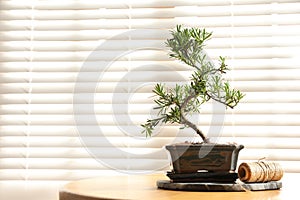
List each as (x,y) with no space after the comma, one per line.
(257,131)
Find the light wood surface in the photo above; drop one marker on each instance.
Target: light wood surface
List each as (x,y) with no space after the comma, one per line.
(144,187)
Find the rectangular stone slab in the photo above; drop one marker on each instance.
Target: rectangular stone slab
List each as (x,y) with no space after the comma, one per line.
(273,185)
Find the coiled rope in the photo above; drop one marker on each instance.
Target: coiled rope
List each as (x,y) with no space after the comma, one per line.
(261,171)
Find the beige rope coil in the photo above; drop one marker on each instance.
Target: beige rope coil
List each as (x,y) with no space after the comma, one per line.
(260,171)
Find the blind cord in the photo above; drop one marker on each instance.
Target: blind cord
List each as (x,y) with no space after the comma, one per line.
(29,100)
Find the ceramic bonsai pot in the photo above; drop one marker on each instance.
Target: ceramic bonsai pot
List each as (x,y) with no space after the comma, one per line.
(191,158)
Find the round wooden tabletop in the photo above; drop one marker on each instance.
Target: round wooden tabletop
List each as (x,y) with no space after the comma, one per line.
(144,187)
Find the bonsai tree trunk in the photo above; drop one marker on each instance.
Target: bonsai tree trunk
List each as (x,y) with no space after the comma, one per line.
(188,123)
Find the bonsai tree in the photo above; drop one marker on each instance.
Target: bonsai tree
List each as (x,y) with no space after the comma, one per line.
(206,82)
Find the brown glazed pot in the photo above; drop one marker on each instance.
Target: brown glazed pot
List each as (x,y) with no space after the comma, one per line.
(190,158)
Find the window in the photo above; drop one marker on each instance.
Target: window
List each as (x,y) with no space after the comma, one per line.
(76,80)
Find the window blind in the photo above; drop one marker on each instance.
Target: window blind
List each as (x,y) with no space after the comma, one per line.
(76,81)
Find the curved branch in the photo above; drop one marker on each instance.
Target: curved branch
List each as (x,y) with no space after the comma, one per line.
(189,123)
(218,100)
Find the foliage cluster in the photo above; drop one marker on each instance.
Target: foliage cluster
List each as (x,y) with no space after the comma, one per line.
(206,83)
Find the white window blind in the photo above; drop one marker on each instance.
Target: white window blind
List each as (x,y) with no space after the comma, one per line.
(76,79)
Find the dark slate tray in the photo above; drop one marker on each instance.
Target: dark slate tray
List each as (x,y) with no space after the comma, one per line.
(218,187)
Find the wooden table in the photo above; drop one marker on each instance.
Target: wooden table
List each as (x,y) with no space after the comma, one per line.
(144,187)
